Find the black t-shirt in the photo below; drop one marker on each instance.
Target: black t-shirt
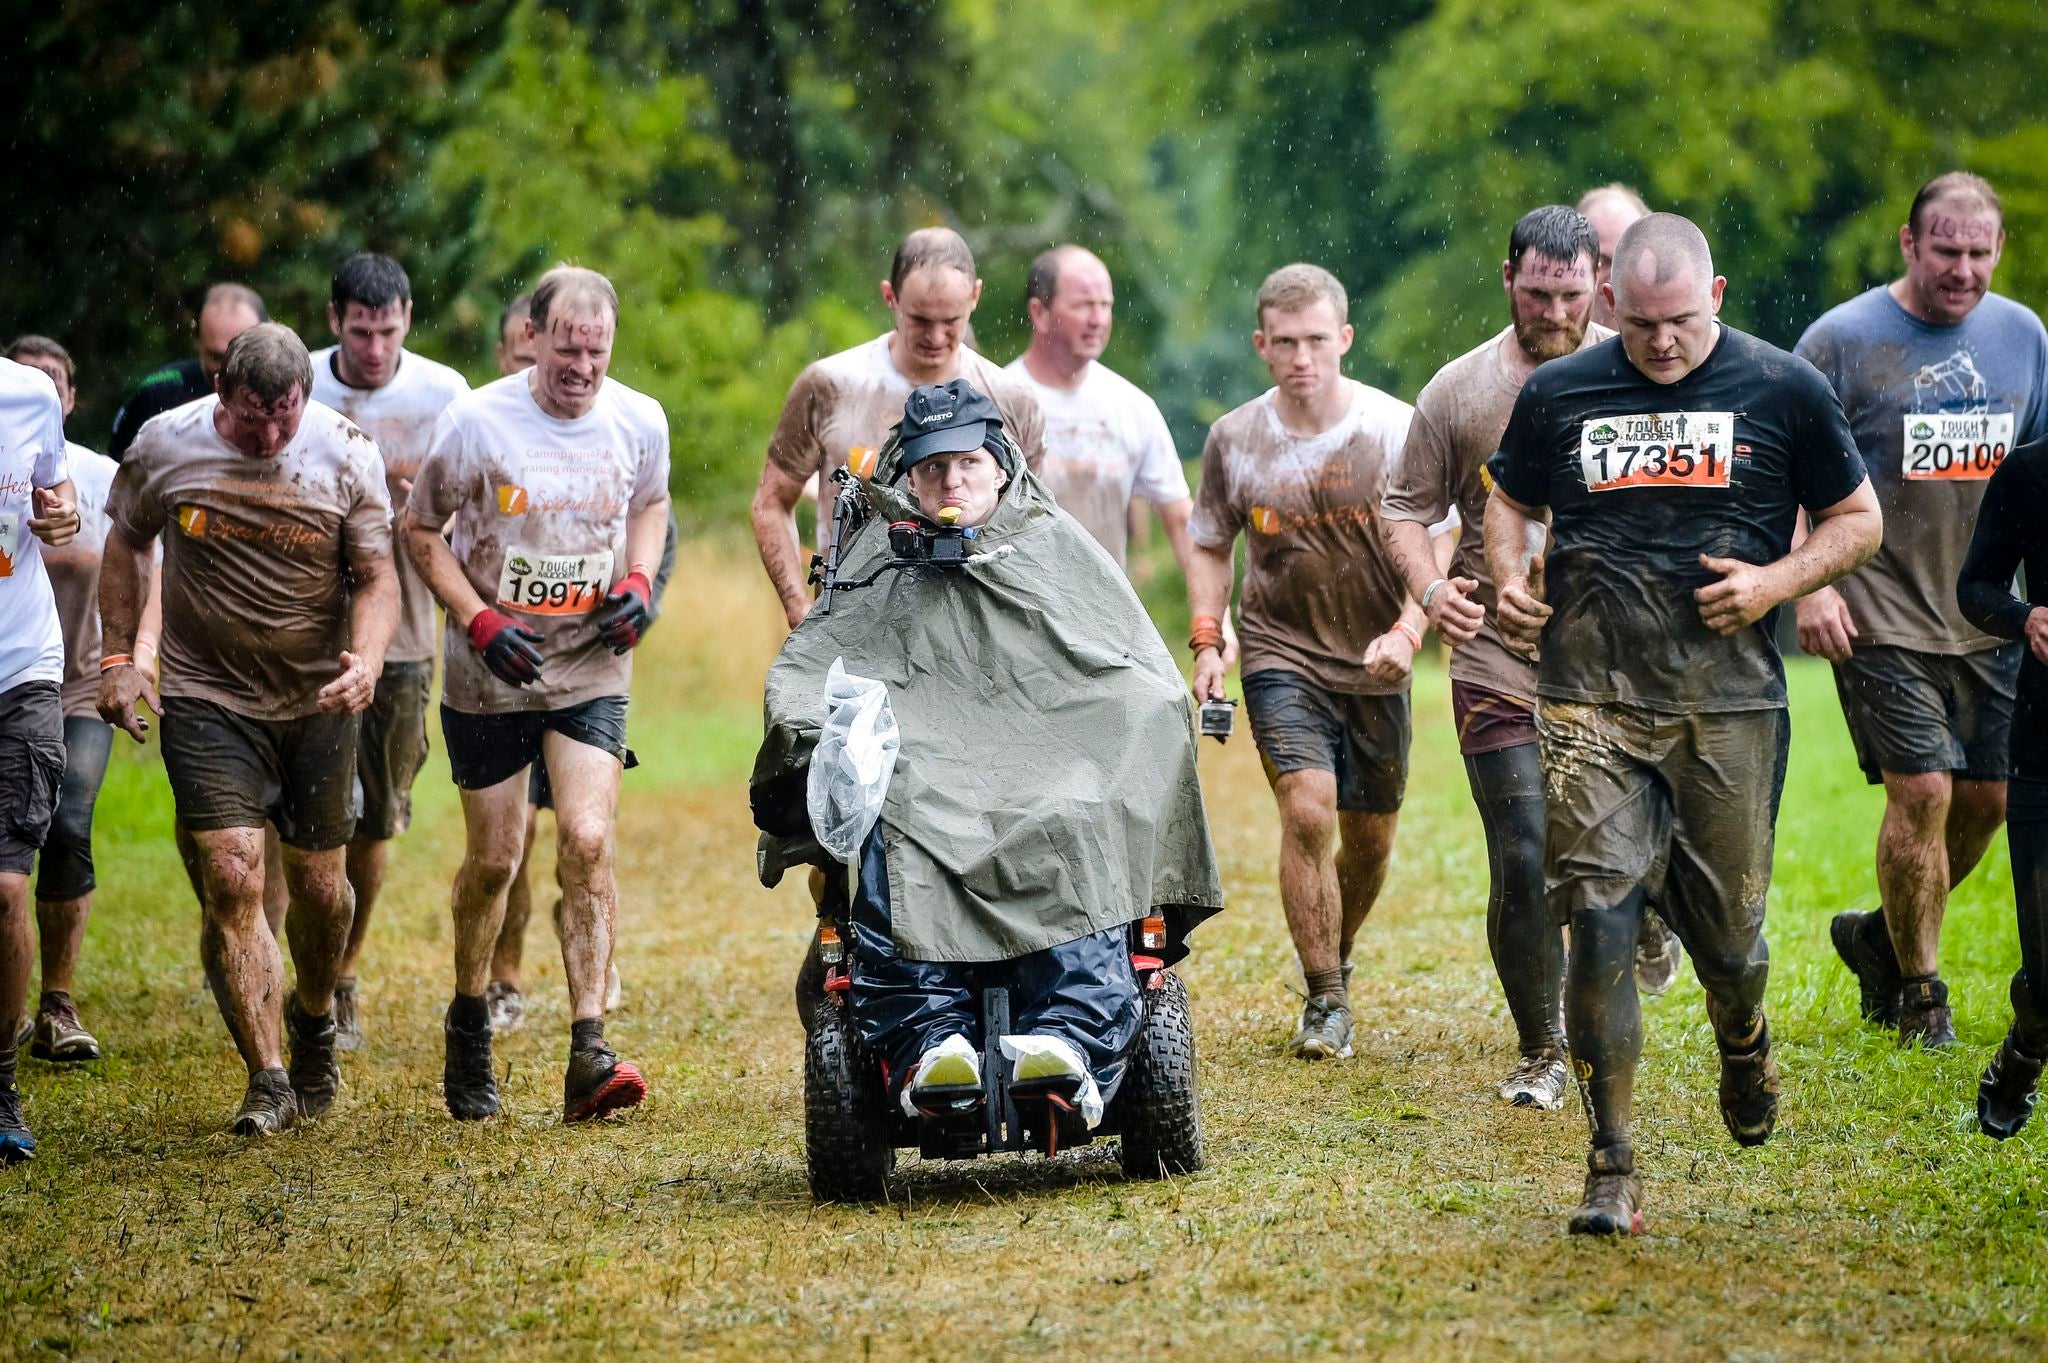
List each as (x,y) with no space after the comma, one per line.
(2012,531)
(174,385)
(1641,478)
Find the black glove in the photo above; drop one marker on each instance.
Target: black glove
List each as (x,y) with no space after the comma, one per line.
(627,613)
(507,646)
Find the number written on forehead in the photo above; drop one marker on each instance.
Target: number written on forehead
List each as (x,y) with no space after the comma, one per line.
(1962,229)
(1536,266)
(589,333)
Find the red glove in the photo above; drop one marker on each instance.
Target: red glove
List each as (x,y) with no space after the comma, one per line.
(627,613)
(507,646)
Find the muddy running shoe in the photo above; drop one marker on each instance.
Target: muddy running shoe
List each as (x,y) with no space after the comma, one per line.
(1657,955)
(1536,1081)
(1325,1029)
(315,1075)
(2006,1093)
(348,1017)
(1613,1202)
(1865,946)
(57,1035)
(507,1005)
(598,1082)
(1749,1087)
(468,1082)
(1924,1015)
(16,1144)
(268,1107)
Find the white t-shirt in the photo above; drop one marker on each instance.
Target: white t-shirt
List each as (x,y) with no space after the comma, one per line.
(74,571)
(540,507)
(32,455)
(400,417)
(1105,443)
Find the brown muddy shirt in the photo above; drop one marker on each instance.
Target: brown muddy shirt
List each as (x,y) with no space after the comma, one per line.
(540,508)
(400,417)
(852,400)
(74,572)
(1459,417)
(1318,584)
(257,553)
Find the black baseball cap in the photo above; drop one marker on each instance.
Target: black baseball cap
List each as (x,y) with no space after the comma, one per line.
(946,418)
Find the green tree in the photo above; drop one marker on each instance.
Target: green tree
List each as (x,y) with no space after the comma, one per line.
(571,158)
(157,147)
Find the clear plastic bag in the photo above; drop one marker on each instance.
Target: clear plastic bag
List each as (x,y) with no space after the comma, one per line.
(852,764)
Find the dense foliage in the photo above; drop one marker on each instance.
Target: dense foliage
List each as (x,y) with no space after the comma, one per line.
(742,168)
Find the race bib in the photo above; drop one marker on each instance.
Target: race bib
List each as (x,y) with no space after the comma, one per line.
(554,584)
(10,541)
(1656,449)
(1955,446)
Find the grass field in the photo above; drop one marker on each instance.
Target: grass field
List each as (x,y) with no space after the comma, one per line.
(1384,1207)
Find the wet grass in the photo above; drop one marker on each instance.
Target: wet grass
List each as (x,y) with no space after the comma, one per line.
(1384,1207)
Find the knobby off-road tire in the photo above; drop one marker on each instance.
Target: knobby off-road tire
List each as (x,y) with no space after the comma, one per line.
(846,1116)
(1160,1113)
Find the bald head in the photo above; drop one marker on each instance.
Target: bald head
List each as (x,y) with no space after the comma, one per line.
(1069,299)
(931,290)
(227,311)
(1612,209)
(1665,296)
(930,248)
(1042,284)
(1661,249)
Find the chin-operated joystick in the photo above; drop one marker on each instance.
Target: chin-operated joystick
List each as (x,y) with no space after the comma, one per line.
(912,544)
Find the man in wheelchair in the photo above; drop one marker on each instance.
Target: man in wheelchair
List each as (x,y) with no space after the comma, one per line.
(1042,819)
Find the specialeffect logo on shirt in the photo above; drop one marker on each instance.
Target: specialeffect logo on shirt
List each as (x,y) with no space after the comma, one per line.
(512,499)
(1265,520)
(192,520)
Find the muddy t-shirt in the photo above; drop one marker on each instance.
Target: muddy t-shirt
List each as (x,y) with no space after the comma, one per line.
(1105,443)
(258,553)
(1318,585)
(853,400)
(400,417)
(1459,417)
(1642,478)
(1934,410)
(33,454)
(74,571)
(540,507)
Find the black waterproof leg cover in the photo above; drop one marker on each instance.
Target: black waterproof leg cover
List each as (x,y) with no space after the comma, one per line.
(1083,990)
(1602,1014)
(2026,833)
(1526,941)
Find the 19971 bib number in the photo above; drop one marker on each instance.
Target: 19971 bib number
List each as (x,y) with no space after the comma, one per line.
(554,584)
(1656,449)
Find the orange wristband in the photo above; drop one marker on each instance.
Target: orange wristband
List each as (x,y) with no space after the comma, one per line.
(114,660)
(1409,630)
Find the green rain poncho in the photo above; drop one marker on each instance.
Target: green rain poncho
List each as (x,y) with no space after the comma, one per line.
(1046,784)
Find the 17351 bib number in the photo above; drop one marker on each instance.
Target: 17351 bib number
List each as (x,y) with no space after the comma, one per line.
(1656,449)
(1955,446)
(554,584)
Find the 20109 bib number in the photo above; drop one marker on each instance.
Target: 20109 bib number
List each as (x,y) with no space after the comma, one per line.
(1955,446)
